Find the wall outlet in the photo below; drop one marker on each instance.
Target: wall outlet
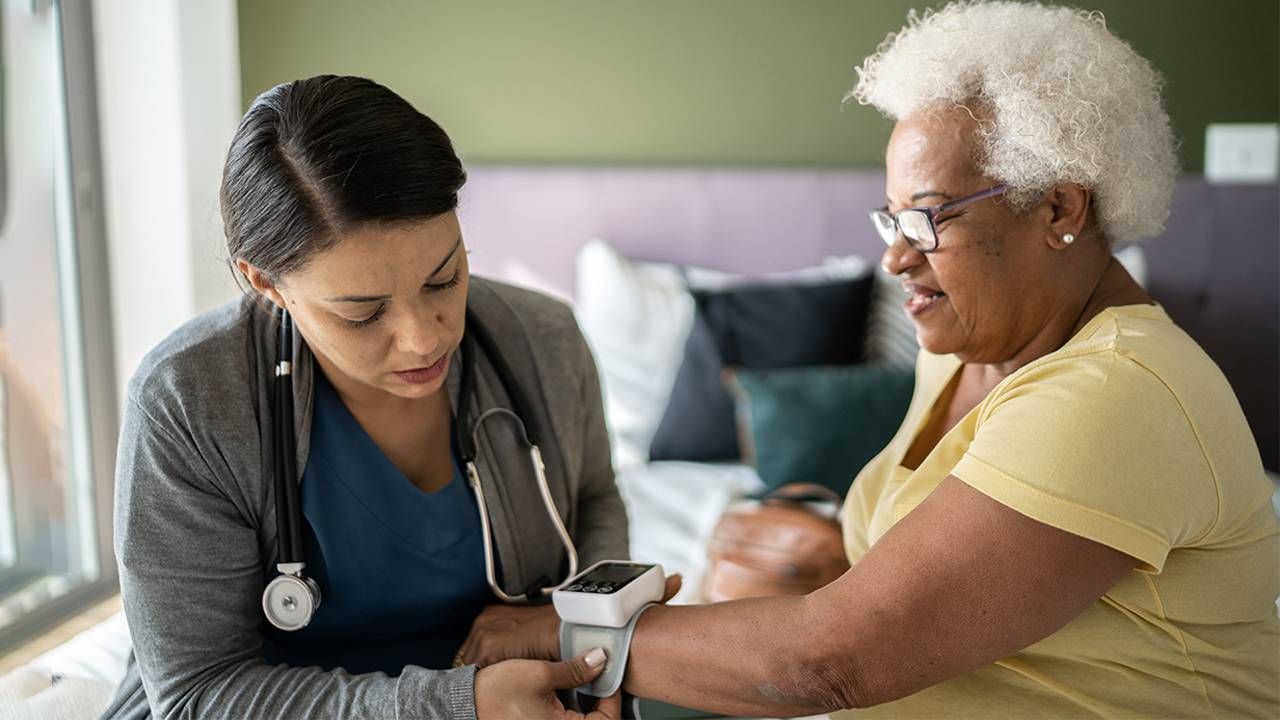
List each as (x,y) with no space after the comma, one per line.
(1242,153)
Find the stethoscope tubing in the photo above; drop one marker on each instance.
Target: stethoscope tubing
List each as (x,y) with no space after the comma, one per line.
(287,501)
(548,503)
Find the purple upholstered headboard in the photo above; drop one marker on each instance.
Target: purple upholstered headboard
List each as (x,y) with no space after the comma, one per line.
(1214,270)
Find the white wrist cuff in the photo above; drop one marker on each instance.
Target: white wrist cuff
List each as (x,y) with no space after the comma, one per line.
(577,639)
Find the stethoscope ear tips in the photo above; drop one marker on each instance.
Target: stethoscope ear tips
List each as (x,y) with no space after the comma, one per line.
(289,602)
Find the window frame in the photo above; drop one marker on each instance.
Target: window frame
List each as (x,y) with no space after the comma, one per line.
(85,314)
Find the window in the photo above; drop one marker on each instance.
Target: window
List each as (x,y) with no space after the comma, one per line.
(57,394)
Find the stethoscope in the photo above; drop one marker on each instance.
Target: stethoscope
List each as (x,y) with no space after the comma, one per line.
(291,599)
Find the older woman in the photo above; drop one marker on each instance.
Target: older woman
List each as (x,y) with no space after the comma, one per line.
(1073,518)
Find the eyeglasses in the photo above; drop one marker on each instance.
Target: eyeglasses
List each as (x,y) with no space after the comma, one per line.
(917,224)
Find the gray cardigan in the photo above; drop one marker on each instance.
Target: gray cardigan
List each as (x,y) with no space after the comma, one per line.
(195,529)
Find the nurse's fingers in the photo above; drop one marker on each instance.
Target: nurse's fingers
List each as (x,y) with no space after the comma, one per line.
(609,708)
(466,653)
(674,583)
(569,674)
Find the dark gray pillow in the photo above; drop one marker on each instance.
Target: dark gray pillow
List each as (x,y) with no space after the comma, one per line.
(757,327)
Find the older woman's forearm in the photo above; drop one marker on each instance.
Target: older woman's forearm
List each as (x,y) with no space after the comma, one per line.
(762,656)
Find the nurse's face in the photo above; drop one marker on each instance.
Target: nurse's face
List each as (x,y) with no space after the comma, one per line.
(383,309)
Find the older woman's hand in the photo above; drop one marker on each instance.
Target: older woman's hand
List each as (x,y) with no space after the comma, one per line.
(505,632)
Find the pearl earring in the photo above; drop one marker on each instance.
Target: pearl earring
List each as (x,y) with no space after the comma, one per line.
(1068,238)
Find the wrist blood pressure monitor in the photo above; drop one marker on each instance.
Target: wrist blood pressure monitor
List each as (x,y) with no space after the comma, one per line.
(599,609)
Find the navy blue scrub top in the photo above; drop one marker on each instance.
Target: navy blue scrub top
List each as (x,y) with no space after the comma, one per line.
(401,571)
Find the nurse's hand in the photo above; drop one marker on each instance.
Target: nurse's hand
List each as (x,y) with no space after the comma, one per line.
(505,632)
(527,689)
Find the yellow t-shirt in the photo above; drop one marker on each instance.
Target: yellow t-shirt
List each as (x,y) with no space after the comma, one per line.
(1130,436)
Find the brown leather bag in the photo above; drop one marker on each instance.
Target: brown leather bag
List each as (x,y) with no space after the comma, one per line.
(782,546)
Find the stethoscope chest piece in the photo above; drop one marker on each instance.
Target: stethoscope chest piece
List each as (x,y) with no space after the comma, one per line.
(290,601)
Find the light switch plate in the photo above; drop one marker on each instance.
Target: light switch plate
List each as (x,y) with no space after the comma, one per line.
(1242,153)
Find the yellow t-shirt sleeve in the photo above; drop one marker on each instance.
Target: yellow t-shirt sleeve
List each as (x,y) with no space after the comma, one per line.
(1099,446)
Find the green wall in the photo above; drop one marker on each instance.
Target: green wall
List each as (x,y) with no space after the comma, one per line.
(695,82)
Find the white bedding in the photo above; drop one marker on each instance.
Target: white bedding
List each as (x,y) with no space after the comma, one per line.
(674,506)
(74,680)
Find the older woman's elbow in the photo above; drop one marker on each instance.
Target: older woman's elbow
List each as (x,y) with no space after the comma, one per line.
(825,680)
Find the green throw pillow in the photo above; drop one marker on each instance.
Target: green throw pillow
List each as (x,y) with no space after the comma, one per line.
(818,424)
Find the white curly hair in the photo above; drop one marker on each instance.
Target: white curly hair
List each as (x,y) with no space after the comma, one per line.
(1067,101)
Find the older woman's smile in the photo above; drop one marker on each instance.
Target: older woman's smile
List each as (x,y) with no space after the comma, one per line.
(922,298)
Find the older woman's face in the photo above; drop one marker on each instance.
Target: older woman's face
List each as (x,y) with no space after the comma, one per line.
(982,293)
(384,308)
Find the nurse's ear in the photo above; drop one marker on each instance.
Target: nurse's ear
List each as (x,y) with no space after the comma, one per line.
(261,282)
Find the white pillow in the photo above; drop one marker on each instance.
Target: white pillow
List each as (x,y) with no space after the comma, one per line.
(1135,261)
(636,317)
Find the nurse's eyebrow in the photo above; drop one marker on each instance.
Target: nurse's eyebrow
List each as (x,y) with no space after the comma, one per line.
(373,298)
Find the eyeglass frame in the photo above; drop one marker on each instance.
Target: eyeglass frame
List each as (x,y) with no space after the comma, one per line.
(929,213)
